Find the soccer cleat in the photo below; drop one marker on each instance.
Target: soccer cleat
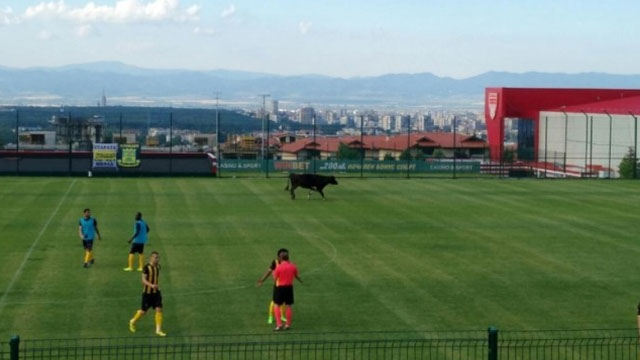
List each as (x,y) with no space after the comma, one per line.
(284,319)
(92,261)
(278,328)
(160,333)
(132,326)
(85,265)
(287,327)
(128,269)
(270,320)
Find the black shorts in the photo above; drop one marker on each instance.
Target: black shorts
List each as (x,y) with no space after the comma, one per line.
(136,248)
(153,300)
(87,244)
(283,295)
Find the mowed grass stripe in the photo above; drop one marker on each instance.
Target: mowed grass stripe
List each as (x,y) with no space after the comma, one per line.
(392,254)
(432,291)
(32,247)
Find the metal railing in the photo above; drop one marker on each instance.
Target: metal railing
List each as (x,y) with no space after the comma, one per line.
(492,345)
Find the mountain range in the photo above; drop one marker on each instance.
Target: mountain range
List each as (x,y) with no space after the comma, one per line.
(84,84)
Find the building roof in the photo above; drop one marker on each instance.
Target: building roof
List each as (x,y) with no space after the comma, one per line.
(622,106)
(383,142)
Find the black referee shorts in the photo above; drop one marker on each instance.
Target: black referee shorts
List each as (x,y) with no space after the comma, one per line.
(153,300)
(283,295)
(87,244)
(136,248)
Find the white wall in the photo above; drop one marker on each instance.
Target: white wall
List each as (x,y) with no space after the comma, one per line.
(580,140)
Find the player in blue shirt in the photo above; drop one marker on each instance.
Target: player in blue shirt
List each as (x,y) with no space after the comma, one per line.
(139,238)
(88,229)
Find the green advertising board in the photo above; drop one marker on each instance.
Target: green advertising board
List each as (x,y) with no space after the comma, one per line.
(347,166)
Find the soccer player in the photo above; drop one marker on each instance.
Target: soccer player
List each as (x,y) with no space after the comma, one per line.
(139,238)
(284,274)
(88,229)
(272,267)
(151,296)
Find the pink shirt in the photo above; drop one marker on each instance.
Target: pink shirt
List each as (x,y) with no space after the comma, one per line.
(285,273)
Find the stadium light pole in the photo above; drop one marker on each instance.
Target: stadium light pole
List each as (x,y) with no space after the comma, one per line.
(586,138)
(610,129)
(635,144)
(566,128)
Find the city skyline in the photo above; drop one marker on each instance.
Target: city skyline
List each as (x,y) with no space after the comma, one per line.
(358,38)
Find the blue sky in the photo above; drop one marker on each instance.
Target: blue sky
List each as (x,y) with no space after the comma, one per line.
(457,38)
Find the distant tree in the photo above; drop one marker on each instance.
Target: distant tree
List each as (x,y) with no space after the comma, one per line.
(388,157)
(419,156)
(508,155)
(347,153)
(406,155)
(627,165)
(438,154)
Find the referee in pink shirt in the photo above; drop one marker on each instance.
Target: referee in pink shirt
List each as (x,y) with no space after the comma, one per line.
(284,274)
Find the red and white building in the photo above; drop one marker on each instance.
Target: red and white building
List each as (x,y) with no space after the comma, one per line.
(576,132)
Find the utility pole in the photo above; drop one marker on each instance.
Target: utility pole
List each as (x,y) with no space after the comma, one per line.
(264,110)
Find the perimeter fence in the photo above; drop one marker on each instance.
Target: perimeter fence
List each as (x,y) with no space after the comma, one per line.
(157,142)
(492,345)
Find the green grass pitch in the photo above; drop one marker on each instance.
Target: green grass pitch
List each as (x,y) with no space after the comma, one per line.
(376,255)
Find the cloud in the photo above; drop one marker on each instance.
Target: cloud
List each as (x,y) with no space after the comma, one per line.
(7,17)
(228,11)
(45,35)
(46,9)
(123,11)
(304,27)
(204,31)
(84,31)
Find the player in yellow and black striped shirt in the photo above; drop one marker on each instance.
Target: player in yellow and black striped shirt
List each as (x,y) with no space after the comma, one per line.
(270,270)
(151,296)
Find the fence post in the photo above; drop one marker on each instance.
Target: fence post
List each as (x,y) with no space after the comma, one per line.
(546,142)
(361,148)
(14,345)
(408,145)
(17,142)
(314,158)
(454,146)
(70,134)
(493,343)
(170,143)
(266,161)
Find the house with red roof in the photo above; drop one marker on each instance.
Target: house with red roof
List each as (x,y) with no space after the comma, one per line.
(379,147)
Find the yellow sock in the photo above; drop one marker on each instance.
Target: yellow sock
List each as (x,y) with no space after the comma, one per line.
(140,261)
(90,255)
(137,316)
(271,309)
(86,256)
(158,321)
(130,260)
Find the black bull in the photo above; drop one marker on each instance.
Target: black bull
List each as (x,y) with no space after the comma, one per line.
(309,181)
